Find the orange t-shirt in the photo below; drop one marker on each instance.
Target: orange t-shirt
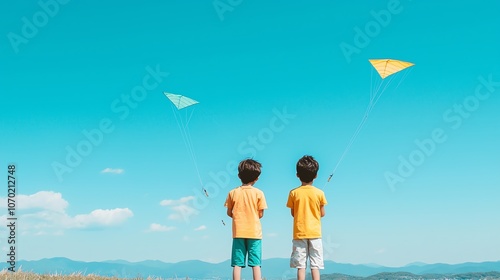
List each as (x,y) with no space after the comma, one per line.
(246,201)
(306,202)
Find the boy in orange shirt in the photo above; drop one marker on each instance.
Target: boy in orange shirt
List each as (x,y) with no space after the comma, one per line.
(307,208)
(246,204)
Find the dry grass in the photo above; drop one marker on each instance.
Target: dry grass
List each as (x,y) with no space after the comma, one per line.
(21,275)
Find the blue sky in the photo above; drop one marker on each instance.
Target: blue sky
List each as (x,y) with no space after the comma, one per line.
(103,171)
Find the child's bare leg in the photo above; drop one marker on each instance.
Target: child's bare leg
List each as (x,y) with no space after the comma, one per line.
(256,273)
(315,274)
(301,274)
(236,273)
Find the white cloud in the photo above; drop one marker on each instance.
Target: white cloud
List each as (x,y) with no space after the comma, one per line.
(113,170)
(45,200)
(181,208)
(160,228)
(167,202)
(272,234)
(102,217)
(171,202)
(202,227)
(44,213)
(3,221)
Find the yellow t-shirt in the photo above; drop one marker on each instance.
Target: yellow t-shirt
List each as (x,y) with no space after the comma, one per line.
(306,202)
(246,201)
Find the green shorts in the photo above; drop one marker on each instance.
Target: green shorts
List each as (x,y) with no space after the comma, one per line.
(244,246)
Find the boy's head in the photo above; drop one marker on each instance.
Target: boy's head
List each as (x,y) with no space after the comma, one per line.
(249,170)
(307,169)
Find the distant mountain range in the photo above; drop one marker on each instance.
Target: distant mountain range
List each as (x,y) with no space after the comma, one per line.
(276,268)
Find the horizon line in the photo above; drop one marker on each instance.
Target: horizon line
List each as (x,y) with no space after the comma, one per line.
(415,263)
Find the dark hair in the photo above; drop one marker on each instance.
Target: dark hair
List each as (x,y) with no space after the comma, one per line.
(307,169)
(249,170)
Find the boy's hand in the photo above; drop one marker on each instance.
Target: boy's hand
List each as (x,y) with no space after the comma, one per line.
(230,212)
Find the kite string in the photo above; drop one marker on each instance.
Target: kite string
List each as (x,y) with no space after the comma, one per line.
(188,134)
(186,138)
(180,128)
(382,91)
(371,86)
(349,144)
(403,78)
(189,119)
(374,97)
(193,153)
(376,90)
(373,94)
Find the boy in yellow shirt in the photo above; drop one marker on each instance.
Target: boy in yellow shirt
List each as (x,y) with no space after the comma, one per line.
(307,208)
(246,204)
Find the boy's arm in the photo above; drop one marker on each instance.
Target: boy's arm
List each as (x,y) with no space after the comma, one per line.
(261,213)
(322,208)
(229,204)
(289,203)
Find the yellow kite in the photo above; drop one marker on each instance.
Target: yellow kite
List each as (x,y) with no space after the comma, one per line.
(387,67)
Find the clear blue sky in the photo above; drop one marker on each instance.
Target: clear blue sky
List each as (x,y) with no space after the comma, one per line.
(103,172)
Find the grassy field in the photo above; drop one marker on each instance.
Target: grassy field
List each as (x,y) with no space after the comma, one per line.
(19,275)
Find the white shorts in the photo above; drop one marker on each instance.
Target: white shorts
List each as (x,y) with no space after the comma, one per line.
(307,248)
